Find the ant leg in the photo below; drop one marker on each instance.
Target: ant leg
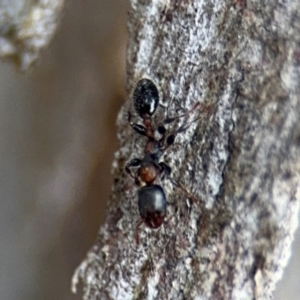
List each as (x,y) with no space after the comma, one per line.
(182,188)
(164,169)
(190,197)
(161,130)
(137,235)
(171,138)
(136,162)
(146,129)
(170,120)
(167,171)
(136,127)
(140,129)
(184,127)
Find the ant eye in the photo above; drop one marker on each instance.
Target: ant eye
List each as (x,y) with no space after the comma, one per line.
(145,97)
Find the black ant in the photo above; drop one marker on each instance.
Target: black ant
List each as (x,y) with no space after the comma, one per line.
(152,201)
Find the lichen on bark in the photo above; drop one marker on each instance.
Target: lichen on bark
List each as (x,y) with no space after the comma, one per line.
(240,60)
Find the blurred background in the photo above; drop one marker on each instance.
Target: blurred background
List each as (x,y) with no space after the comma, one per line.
(57,140)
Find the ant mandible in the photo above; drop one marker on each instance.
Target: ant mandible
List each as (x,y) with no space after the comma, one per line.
(152,203)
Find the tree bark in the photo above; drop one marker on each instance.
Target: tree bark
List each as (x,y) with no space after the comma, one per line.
(240,160)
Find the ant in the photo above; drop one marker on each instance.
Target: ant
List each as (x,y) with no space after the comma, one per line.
(152,203)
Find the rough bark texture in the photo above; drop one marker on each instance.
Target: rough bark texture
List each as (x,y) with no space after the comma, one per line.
(240,60)
(26,27)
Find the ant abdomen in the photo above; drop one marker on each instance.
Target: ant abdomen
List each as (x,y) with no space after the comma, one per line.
(145,97)
(152,205)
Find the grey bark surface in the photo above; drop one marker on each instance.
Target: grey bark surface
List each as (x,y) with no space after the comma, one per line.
(240,161)
(26,27)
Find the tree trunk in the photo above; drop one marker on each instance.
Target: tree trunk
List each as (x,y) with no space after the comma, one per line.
(230,223)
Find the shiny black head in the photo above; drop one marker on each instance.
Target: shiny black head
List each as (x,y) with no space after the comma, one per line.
(145,97)
(152,205)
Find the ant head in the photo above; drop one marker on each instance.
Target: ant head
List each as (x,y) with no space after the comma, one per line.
(152,205)
(145,97)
